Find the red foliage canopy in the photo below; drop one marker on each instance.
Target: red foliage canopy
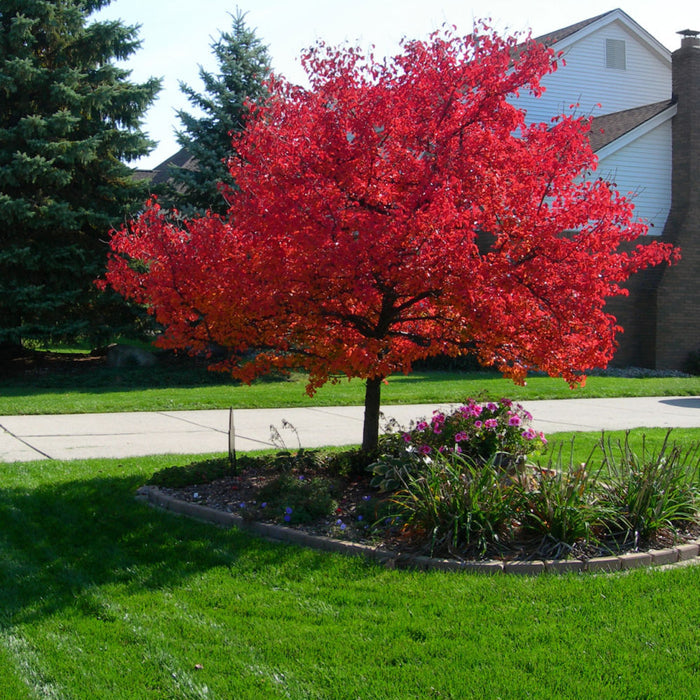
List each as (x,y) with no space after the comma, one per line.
(394,211)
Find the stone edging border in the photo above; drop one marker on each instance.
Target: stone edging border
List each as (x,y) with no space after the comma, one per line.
(681,554)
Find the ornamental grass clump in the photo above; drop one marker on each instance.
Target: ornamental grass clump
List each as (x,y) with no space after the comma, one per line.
(651,490)
(457,504)
(562,506)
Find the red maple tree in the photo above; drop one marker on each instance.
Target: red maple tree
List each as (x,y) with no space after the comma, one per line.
(397,210)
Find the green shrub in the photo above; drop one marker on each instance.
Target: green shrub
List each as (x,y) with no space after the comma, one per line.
(202,472)
(295,499)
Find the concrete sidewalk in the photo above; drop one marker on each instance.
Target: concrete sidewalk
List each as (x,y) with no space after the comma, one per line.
(63,437)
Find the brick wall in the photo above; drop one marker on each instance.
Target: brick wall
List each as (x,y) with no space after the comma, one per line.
(678,295)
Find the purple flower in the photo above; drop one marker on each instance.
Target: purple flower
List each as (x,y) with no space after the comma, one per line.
(407,437)
(514,420)
(366,498)
(263,504)
(529,434)
(287,518)
(461,436)
(288,510)
(424,449)
(490,423)
(359,517)
(492,406)
(438,418)
(422,425)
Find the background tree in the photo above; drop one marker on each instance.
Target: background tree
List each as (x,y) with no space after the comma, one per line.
(244,65)
(396,211)
(68,118)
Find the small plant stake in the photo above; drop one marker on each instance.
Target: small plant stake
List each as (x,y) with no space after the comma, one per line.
(231,440)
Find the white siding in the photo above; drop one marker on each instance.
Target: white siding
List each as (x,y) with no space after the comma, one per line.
(586,80)
(642,168)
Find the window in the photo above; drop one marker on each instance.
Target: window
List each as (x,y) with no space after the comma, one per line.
(615,54)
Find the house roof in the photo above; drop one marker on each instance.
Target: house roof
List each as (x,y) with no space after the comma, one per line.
(560,34)
(161,172)
(561,38)
(610,127)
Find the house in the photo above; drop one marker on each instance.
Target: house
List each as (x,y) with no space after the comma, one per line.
(645,104)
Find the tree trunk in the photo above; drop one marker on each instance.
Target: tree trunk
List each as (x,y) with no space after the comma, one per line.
(370,429)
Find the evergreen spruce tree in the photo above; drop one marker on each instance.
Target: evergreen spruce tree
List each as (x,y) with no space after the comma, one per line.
(244,64)
(69,120)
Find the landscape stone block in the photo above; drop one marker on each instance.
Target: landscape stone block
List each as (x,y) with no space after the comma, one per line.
(687,551)
(524,568)
(563,566)
(663,556)
(603,564)
(634,560)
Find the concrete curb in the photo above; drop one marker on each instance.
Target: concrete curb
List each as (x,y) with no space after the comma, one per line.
(680,555)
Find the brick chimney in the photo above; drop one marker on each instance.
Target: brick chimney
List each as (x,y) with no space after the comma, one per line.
(678,295)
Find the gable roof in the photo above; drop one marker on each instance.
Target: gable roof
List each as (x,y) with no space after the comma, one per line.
(561,38)
(560,34)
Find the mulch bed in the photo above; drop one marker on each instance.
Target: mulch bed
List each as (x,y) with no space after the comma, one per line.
(240,495)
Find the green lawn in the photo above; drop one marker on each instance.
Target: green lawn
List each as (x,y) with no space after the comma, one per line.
(142,390)
(102,597)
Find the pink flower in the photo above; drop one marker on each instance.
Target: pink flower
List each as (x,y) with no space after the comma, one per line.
(477,424)
(424,449)
(492,406)
(422,425)
(407,437)
(514,420)
(529,434)
(491,423)
(461,436)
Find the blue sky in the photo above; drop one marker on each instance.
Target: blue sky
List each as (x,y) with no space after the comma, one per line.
(177,34)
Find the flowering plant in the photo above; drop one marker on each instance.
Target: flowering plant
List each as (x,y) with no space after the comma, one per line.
(476,430)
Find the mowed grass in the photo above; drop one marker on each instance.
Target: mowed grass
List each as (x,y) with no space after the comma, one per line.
(108,390)
(103,597)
